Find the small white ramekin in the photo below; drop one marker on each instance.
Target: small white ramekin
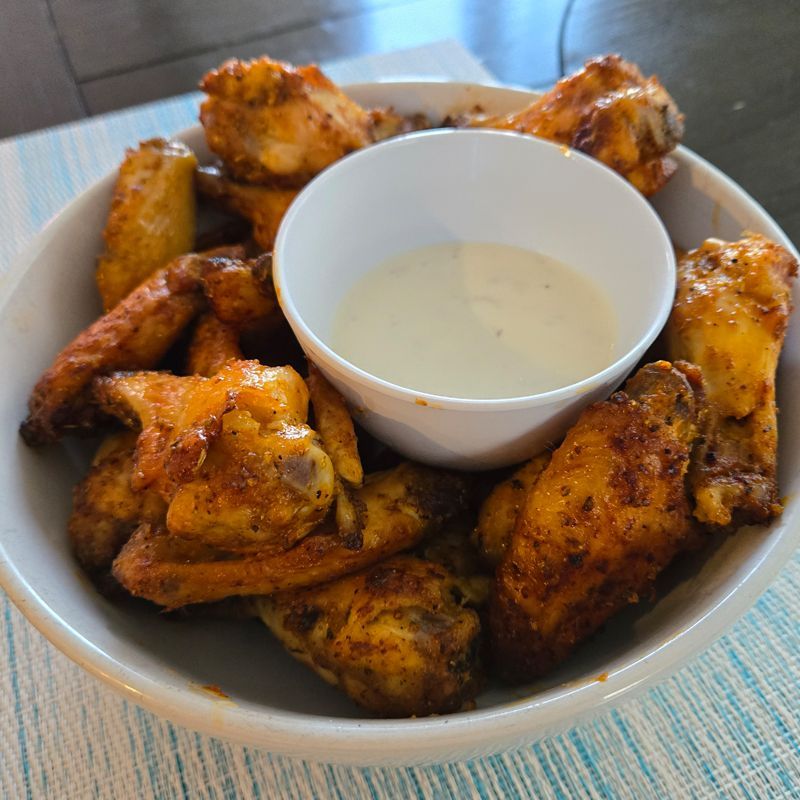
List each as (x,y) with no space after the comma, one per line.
(471,185)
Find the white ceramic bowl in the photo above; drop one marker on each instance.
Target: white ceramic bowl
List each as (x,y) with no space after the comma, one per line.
(275,703)
(484,186)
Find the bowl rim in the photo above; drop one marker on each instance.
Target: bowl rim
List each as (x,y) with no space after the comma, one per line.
(364,741)
(361,159)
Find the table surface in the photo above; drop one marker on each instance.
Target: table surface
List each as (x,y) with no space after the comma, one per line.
(724,725)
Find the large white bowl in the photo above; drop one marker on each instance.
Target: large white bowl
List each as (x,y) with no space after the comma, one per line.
(274,702)
(484,186)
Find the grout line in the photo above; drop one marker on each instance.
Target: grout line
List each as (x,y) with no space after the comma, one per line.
(562,33)
(67,61)
(254,37)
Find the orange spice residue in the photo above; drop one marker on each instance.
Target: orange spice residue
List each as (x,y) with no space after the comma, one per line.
(212,688)
(420,402)
(602,677)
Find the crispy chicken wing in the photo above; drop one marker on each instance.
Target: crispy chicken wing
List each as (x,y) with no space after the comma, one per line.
(263,206)
(498,515)
(396,637)
(152,217)
(231,454)
(135,334)
(607,514)
(106,510)
(607,110)
(400,506)
(239,291)
(213,344)
(273,123)
(730,316)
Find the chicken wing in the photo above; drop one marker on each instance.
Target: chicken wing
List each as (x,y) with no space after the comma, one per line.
(498,515)
(607,514)
(152,217)
(213,344)
(231,454)
(135,334)
(240,291)
(607,110)
(263,206)
(106,510)
(396,637)
(274,123)
(401,507)
(730,317)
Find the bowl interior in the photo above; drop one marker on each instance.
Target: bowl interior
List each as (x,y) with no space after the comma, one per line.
(274,702)
(478,185)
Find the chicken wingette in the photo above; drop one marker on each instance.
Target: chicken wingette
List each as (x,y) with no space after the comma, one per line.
(152,217)
(400,507)
(231,454)
(277,124)
(730,316)
(397,637)
(212,345)
(607,110)
(606,515)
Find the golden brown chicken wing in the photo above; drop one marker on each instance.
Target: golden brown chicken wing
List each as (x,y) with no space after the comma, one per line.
(152,217)
(231,454)
(106,510)
(263,206)
(607,110)
(213,344)
(135,334)
(498,514)
(239,291)
(396,637)
(730,316)
(607,514)
(277,124)
(401,507)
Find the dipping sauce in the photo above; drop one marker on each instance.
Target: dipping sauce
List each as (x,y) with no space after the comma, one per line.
(476,320)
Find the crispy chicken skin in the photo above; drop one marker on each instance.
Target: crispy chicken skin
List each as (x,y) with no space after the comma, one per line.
(396,637)
(239,291)
(730,317)
(213,344)
(135,334)
(401,507)
(263,206)
(607,514)
(231,454)
(277,124)
(498,514)
(152,217)
(105,510)
(607,110)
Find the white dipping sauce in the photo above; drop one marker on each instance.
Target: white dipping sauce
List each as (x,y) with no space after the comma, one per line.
(476,320)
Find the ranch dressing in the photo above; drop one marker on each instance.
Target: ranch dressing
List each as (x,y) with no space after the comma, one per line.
(475,320)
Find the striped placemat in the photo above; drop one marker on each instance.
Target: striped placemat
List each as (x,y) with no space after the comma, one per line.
(726,725)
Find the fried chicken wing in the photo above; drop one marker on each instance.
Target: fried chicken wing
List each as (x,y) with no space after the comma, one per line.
(397,638)
(607,514)
(498,514)
(730,317)
(273,123)
(607,110)
(106,510)
(239,291)
(401,507)
(263,206)
(213,344)
(152,217)
(135,334)
(231,454)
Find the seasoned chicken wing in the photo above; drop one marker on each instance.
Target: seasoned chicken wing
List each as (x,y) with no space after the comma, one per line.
(607,110)
(400,507)
(231,454)
(213,344)
(274,123)
(239,291)
(607,514)
(152,217)
(135,334)
(263,206)
(106,510)
(730,316)
(396,637)
(498,515)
